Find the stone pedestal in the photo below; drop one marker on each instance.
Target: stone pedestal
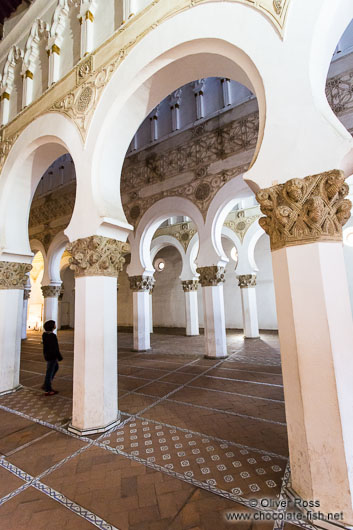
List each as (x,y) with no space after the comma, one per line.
(247,284)
(96,262)
(212,279)
(141,286)
(304,221)
(26,295)
(191,307)
(51,295)
(13,278)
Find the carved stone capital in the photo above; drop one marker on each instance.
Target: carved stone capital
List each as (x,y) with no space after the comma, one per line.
(190,285)
(141,283)
(305,210)
(152,289)
(97,256)
(51,291)
(246,280)
(26,294)
(13,275)
(211,276)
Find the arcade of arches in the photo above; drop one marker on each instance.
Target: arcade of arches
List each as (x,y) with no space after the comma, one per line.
(175,185)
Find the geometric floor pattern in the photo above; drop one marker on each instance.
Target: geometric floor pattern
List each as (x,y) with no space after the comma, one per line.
(198,438)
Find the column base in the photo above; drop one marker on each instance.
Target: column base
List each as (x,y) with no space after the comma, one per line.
(319,523)
(12,391)
(257,337)
(92,430)
(141,351)
(215,358)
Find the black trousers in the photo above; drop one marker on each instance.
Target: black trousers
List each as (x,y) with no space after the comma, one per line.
(52,368)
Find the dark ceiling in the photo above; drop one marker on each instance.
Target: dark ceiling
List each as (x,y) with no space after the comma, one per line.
(9,6)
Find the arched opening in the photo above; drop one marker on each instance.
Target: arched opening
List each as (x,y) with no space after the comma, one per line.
(36,300)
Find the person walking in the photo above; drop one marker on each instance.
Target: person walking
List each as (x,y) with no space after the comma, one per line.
(51,354)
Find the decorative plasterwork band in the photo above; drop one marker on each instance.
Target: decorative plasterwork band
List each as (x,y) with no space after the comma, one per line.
(211,276)
(97,256)
(13,275)
(305,210)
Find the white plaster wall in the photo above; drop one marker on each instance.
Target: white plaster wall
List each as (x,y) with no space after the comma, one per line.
(104,25)
(232,297)
(70,48)
(265,292)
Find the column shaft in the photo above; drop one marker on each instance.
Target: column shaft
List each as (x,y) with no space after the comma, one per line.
(247,283)
(316,339)
(214,321)
(141,320)
(11,310)
(95,395)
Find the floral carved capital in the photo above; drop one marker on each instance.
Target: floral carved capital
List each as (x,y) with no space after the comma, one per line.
(211,276)
(305,210)
(51,291)
(13,275)
(141,283)
(190,285)
(97,256)
(246,280)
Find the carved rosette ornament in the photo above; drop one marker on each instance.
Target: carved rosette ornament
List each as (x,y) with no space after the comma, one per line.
(211,276)
(247,280)
(305,210)
(51,291)
(97,256)
(141,283)
(190,285)
(13,275)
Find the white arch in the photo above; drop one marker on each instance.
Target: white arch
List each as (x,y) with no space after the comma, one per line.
(55,252)
(15,55)
(191,45)
(44,140)
(189,268)
(141,240)
(39,31)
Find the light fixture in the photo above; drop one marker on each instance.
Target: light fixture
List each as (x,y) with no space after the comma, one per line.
(234,254)
(159,265)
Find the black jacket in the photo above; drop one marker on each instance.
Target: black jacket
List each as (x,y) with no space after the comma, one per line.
(51,350)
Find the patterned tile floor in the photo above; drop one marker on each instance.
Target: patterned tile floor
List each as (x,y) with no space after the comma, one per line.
(198,439)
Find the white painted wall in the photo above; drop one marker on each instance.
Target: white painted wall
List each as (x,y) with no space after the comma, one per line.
(265,292)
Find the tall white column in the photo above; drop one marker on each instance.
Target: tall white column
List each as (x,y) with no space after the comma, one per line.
(212,279)
(191,307)
(175,109)
(51,302)
(13,277)
(226,91)
(247,284)
(151,309)
(5,108)
(96,262)
(141,286)
(26,295)
(304,221)
(86,18)
(27,95)
(198,92)
(54,63)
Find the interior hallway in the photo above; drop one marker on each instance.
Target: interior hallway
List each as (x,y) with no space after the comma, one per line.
(198,438)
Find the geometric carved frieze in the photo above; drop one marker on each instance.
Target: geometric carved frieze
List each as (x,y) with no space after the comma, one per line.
(51,291)
(247,280)
(141,283)
(14,275)
(305,210)
(97,256)
(211,276)
(190,285)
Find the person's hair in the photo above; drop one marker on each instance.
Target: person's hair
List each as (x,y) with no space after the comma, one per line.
(49,325)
